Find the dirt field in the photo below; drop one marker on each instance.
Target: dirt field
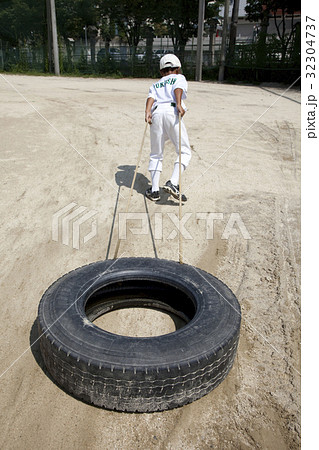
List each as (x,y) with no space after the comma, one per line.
(245,166)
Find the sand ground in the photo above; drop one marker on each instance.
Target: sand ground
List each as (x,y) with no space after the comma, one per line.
(65,140)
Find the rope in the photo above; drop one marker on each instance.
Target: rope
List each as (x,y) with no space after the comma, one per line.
(180,251)
(131,189)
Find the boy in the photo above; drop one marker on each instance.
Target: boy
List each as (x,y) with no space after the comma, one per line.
(163,104)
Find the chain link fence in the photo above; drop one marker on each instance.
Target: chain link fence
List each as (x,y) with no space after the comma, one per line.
(76,58)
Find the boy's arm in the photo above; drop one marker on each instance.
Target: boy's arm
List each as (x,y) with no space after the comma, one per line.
(148,114)
(178,95)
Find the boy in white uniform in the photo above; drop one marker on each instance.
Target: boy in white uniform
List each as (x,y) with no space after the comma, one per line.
(163,104)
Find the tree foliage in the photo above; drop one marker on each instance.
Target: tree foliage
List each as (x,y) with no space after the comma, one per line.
(181,19)
(255,8)
(21,21)
(24,20)
(73,16)
(130,16)
(262,10)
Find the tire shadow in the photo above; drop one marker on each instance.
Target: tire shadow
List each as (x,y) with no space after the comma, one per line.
(34,341)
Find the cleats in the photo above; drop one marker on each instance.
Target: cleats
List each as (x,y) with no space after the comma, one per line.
(153,196)
(173,190)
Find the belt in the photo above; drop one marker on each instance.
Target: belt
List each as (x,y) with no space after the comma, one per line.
(172,104)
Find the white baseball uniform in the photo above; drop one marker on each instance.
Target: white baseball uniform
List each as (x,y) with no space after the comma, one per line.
(165,123)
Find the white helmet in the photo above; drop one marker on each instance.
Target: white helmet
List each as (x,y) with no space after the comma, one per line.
(169,60)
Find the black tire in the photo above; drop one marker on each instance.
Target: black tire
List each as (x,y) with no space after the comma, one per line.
(138,374)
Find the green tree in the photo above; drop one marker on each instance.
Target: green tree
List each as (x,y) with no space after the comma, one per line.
(75,16)
(181,19)
(89,16)
(107,29)
(68,24)
(131,17)
(22,21)
(211,22)
(280,9)
(262,10)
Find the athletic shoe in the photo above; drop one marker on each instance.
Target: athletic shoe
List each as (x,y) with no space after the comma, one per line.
(154,196)
(173,190)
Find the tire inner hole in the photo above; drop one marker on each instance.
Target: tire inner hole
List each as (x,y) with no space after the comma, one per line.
(140,308)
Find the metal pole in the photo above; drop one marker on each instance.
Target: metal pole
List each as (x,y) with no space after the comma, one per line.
(223,46)
(86,42)
(2,63)
(54,39)
(199,52)
(49,35)
(233,28)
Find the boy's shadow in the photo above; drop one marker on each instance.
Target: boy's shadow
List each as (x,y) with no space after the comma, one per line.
(124,177)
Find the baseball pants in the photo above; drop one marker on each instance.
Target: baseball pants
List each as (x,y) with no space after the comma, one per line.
(165,125)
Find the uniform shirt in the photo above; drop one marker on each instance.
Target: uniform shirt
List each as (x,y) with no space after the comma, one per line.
(163,91)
